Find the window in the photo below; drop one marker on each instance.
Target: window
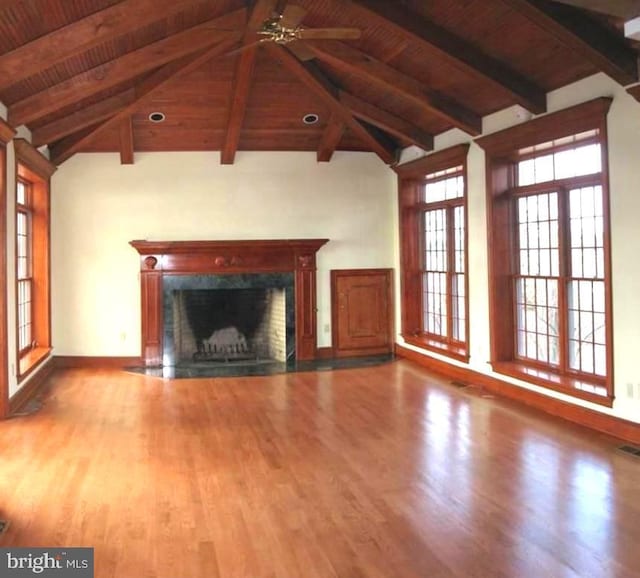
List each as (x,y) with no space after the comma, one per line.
(32,257)
(24,266)
(549,254)
(433,229)
(6,134)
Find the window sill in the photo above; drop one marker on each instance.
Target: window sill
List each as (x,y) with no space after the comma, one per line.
(575,387)
(454,351)
(31,360)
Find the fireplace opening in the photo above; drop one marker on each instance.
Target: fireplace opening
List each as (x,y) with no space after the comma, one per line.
(225,325)
(228,319)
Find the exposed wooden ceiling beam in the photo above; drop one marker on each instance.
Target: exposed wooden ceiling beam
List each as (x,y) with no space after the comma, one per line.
(239,99)
(582,34)
(144,91)
(330,139)
(354,61)
(57,129)
(626,9)
(46,51)
(313,79)
(457,51)
(8,3)
(634,91)
(126,141)
(122,69)
(262,9)
(386,121)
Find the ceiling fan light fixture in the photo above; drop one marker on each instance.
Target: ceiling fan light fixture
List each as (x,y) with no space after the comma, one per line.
(157,117)
(311,118)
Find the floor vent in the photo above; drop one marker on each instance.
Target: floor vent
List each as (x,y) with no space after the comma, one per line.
(3,526)
(634,451)
(459,384)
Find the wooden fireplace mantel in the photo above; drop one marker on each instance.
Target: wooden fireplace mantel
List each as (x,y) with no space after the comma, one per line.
(159,258)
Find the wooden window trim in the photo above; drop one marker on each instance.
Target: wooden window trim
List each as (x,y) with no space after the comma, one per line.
(34,168)
(6,134)
(501,153)
(411,178)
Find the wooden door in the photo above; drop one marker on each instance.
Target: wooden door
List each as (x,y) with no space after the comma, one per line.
(362,311)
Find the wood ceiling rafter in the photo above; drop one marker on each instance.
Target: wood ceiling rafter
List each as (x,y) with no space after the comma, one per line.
(126,141)
(387,121)
(8,3)
(122,69)
(353,61)
(634,91)
(584,35)
(146,89)
(330,138)
(626,9)
(82,35)
(310,76)
(456,50)
(89,116)
(262,9)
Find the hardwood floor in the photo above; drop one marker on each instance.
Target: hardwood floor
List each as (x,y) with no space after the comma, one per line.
(380,472)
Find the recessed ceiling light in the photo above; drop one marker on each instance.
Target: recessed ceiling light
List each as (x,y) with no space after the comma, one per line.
(311,118)
(157,117)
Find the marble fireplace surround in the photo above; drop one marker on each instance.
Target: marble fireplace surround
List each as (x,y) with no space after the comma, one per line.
(162,258)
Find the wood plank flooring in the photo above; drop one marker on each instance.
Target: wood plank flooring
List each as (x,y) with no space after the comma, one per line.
(382,472)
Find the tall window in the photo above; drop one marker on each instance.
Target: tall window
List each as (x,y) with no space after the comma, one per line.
(443,260)
(33,327)
(433,228)
(24,266)
(549,252)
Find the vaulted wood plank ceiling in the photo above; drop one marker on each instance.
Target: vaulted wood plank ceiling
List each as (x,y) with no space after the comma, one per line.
(84,75)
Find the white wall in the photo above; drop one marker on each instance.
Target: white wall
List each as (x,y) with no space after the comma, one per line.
(624,169)
(98,206)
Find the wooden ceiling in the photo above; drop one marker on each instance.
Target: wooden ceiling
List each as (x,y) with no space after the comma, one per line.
(84,75)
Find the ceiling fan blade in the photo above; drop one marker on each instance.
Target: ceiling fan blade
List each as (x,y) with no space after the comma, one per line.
(301,51)
(329,33)
(292,16)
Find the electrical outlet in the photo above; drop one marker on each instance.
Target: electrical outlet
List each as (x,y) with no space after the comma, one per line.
(327,328)
(630,390)
(123,336)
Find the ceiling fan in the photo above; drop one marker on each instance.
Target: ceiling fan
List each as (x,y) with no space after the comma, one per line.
(285,28)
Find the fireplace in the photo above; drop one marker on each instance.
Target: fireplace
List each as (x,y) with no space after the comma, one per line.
(284,270)
(228,325)
(210,319)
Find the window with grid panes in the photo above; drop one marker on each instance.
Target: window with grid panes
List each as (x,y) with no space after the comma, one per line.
(434,263)
(24,267)
(549,252)
(560,278)
(32,258)
(443,256)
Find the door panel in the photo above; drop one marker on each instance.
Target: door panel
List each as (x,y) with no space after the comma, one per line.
(361,311)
